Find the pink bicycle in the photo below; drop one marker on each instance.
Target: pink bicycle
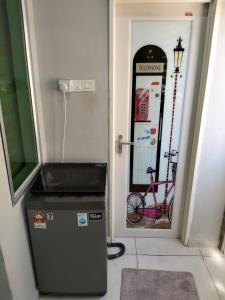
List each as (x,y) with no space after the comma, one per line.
(136,204)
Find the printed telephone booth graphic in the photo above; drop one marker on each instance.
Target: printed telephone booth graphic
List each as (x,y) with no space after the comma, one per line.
(141,104)
(148,93)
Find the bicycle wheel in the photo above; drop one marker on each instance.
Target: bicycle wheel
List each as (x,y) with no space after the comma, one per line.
(135,208)
(170,209)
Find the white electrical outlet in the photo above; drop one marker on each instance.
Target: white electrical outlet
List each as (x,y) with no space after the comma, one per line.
(66,85)
(70,85)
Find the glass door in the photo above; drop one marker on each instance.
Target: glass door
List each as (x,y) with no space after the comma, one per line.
(158,84)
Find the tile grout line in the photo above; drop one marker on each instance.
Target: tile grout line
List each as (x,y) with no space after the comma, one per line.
(136,251)
(182,255)
(203,258)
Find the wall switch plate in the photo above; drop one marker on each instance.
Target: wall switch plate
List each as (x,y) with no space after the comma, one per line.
(84,85)
(89,85)
(77,85)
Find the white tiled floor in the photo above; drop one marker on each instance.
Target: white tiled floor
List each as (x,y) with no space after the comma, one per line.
(207,266)
(215,263)
(130,244)
(156,246)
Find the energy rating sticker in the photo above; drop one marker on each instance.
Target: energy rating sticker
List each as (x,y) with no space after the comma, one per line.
(82,219)
(39,220)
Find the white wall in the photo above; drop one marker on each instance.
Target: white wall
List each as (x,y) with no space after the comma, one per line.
(14,242)
(72,42)
(5,291)
(210,193)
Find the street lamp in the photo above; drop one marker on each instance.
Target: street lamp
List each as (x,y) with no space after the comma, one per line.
(178,55)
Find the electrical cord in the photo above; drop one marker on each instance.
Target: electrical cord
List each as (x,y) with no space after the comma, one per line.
(64,126)
(109,245)
(118,254)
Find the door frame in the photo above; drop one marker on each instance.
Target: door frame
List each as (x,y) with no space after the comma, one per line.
(203,98)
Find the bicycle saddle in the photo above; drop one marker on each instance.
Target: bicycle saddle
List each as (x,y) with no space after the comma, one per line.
(150,170)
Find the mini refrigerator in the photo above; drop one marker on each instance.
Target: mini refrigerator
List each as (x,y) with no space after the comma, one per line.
(67,224)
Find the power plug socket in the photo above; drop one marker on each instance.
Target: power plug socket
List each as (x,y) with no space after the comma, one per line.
(65,85)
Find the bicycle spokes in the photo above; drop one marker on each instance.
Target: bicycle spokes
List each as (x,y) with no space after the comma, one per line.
(134,202)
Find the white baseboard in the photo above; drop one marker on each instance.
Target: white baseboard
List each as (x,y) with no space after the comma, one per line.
(203,243)
(36,295)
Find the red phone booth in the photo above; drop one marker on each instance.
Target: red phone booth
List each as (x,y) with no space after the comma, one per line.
(141,104)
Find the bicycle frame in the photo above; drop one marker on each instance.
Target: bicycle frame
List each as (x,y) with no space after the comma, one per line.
(164,207)
(158,183)
(156,212)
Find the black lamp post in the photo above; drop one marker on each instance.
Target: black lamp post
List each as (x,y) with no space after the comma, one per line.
(178,55)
